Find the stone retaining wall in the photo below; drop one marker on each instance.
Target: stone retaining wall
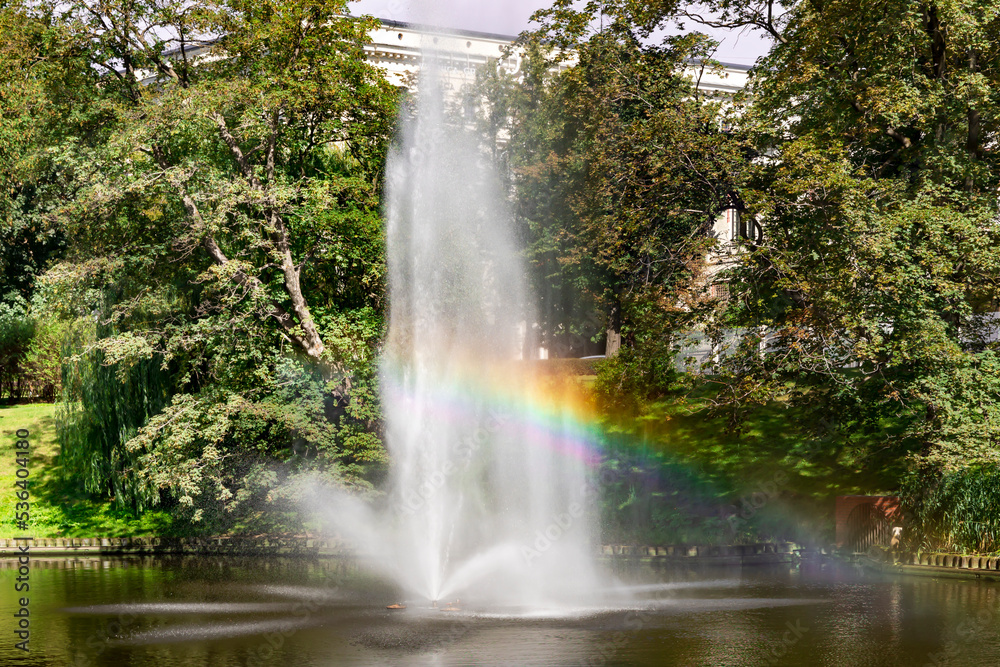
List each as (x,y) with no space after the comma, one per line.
(735,554)
(309,546)
(937,564)
(990,563)
(265,546)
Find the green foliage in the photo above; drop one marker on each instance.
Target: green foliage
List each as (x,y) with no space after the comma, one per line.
(618,163)
(16,333)
(681,472)
(651,497)
(104,405)
(873,288)
(870,301)
(630,380)
(957,510)
(25,251)
(216,170)
(29,350)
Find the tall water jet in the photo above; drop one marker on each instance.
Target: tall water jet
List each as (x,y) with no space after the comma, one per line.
(489,490)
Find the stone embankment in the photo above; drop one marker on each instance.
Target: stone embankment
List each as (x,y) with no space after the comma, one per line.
(934,564)
(745,554)
(740,554)
(151,546)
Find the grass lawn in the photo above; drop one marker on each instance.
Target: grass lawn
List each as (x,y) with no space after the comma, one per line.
(57,508)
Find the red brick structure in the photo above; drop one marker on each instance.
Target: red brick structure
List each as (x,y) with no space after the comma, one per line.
(866,520)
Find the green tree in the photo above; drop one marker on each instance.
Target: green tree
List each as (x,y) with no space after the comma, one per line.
(873,291)
(620,164)
(220,166)
(29,341)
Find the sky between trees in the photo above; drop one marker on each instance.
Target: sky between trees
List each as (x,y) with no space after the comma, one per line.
(512,16)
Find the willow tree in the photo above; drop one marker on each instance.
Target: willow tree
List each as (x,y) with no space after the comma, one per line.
(222,164)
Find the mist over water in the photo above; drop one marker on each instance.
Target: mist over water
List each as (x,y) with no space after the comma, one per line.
(489,496)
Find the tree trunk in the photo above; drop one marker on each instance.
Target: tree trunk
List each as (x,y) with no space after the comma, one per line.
(311,341)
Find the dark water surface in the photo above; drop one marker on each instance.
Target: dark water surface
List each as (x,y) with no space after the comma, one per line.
(227,611)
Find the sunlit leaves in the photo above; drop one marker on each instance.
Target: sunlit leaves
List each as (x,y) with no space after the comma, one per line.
(876,186)
(217,168)
(618,164)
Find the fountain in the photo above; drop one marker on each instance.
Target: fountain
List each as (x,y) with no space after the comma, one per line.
(484,539)
(489,497)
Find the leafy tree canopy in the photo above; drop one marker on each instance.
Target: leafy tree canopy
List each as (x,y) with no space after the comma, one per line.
(216,168)
(876,181)
(620,165)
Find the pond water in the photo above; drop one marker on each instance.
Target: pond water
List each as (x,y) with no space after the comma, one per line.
(228,611)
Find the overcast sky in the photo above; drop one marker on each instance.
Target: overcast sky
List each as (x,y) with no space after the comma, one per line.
(509,17)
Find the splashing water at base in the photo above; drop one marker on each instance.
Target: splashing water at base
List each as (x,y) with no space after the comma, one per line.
(489,495)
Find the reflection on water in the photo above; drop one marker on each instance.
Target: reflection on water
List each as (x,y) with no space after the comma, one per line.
(227,611)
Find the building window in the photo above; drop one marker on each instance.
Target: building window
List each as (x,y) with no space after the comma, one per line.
(741,226)
(735,224)
(720,291)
